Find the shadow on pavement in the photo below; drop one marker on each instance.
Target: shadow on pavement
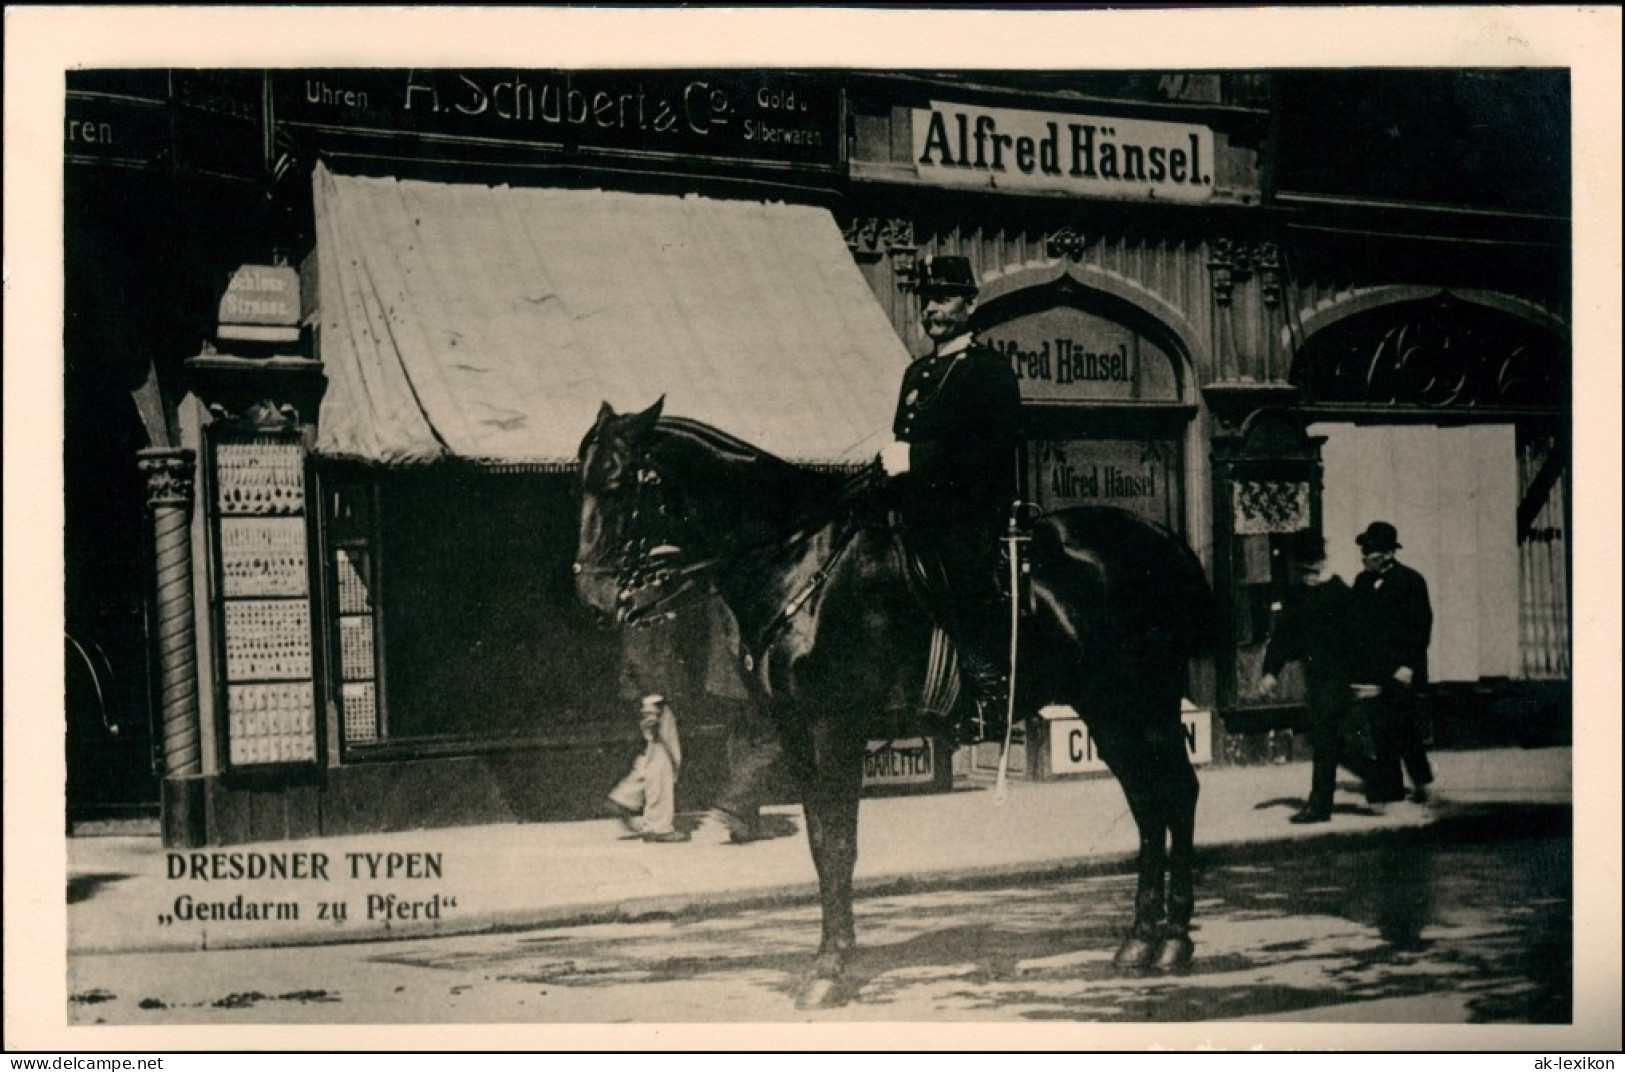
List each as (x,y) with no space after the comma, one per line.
(84,887)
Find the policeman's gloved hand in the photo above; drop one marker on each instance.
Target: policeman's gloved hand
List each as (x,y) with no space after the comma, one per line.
(894,458)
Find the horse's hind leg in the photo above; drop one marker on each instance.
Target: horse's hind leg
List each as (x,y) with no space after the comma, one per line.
(1140,947)
(1175,787)
(1176,949)
(1125,750)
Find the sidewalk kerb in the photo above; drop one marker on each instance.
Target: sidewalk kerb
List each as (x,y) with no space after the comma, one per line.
(1472,819)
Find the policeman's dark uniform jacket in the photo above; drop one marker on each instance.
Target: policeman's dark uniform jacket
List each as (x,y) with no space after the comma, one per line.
(959,410)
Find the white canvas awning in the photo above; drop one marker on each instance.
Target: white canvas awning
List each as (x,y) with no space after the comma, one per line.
(489,323)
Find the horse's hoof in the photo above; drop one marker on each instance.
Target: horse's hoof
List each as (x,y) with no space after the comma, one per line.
(821,993)
(1174,953)
(1134,953)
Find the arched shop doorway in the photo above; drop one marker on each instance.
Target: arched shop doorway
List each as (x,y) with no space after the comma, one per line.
(1106,422)
(1103,385)
(1447,414)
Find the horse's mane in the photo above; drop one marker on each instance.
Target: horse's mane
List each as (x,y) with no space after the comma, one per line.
(715,439)
(733,450)
(793,490)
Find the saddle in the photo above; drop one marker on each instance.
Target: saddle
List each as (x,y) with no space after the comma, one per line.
(930,582)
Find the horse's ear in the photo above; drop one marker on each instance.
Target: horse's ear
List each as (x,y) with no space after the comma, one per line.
(645,421)
(606,413)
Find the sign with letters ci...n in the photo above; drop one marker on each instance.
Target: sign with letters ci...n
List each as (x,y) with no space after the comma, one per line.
(1072,748)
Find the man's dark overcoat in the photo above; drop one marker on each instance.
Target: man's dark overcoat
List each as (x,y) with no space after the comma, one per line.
(1396,623)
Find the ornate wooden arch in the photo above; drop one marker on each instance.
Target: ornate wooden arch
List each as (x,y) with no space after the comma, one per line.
(1432,348)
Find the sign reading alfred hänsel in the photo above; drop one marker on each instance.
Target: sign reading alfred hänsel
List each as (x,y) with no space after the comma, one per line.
(1091,156)
(755,116)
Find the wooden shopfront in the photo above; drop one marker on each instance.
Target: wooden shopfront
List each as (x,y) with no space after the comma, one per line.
(1239,304)
(1425,305)
(485,258)
(1090,223)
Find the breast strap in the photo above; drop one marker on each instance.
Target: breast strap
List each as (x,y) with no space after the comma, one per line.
(750,659)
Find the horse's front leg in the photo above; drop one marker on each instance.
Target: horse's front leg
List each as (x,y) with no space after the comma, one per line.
(831,803)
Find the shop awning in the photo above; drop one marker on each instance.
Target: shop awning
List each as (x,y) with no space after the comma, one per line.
(489,323)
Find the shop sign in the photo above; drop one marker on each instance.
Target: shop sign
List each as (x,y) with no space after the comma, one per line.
(901,761)
(1072,748)
(1128,474)
(762,116)
(1064,354)
(210,119)
(219,121)
(114,130)
(1082,155)
(261,302)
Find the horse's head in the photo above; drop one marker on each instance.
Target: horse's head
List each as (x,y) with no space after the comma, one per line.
(630,557)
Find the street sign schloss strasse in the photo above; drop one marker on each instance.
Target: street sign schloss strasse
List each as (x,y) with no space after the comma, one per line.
(261,294)
(261,302)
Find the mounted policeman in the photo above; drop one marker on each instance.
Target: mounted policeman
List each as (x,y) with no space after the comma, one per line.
(952,470)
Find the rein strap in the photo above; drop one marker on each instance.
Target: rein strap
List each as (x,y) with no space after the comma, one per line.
(796,602)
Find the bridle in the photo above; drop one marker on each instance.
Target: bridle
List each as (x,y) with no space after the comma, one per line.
(650,554)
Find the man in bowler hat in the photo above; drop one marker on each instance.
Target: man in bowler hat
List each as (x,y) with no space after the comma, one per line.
(1396,624)
(1315,630)
(952,469)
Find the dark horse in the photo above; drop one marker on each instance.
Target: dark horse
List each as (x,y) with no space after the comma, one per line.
(828,617)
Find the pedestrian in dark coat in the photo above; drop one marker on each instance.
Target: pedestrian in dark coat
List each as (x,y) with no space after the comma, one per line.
(1315,630)
(952,469)
(1395,621)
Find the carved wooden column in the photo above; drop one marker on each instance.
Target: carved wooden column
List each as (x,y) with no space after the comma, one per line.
(1245,340)
(170,475)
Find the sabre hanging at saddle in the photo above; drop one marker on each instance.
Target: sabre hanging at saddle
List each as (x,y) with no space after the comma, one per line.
(1017,538)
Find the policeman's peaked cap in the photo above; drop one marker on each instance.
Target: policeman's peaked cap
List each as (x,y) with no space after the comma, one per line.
(947,276)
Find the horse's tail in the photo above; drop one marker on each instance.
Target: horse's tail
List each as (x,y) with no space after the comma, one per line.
(1201,632)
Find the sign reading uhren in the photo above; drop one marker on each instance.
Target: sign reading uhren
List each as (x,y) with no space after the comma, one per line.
(765,117)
